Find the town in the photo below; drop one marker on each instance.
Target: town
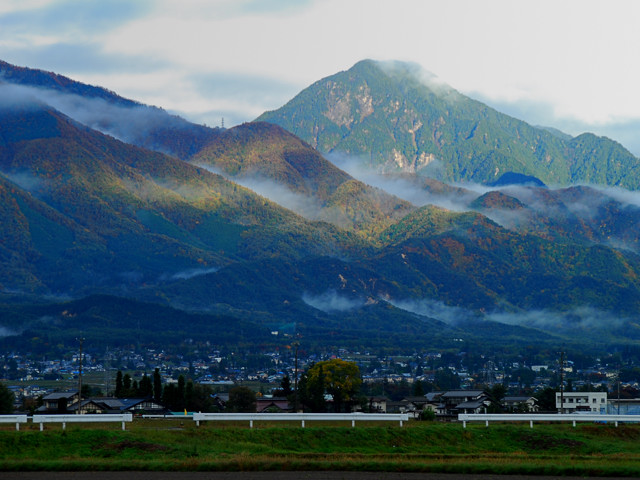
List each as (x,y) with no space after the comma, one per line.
(435,384)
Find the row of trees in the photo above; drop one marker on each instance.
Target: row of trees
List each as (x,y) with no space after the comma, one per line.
(336,378)
(185,395)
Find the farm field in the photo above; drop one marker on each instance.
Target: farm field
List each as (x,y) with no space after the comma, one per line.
(162,445)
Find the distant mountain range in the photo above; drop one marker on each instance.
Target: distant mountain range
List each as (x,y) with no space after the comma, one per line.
(111,208)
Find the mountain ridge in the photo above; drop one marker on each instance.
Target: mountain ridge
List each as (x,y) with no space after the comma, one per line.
(120,219)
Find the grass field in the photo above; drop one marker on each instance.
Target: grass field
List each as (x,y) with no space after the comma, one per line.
(418,447)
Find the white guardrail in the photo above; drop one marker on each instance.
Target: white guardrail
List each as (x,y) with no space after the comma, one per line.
(89,418)
(543,417)
(17,419)
(301,417)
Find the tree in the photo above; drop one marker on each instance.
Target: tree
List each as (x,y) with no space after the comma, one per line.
(285,389)
(547,399)
(198,398)
(311,392)
(181,392)
(119,385)
(242,400)
(341,379)
(170,397)
(418,390)
(496,395)
(126,385)
(189,395)
(157,385)
(445,379)
(6,400)
(145,388)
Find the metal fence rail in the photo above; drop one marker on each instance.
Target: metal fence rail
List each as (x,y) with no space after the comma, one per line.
(532,417)
(301,417)
(89,418)
(17,419)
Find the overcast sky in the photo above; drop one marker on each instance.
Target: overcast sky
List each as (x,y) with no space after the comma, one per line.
(570,64)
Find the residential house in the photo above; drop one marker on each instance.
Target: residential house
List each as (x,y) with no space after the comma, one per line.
(136,406)
(378,404)
(454,402)
(59,402)
(520,404)
(220,400)
(273,404)
(397,407)
(416,405)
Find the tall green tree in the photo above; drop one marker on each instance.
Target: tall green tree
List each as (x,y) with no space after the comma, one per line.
(157,385)
(418,389)
(242,399)
(119,385)
(445,379)
(496,395)
(181,392)
(145,389)
(126,385)
(6,400)
(547,399)
(285,389)
(311,391)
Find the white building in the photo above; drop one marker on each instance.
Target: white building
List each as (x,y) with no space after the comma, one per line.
(576,402)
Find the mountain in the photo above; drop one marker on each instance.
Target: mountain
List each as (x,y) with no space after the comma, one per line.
(111,214)
(252,228)
(266,158)
(279,165)
(105,111)
(395,117)
(511,178)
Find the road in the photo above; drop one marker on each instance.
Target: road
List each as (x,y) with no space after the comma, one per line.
(267,476)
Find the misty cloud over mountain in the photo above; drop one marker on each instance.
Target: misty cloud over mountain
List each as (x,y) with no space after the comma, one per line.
(576,319)
(127,121)
(331,302)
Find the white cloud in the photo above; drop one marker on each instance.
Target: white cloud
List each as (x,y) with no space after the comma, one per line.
(575,319)
(576,56)
(331,302)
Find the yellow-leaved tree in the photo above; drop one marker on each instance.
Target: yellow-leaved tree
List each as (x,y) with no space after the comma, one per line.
(336,377)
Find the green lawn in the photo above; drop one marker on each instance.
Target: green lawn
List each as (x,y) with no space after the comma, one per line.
(418,447)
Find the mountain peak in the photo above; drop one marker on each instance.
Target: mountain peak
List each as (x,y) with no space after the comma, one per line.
(397,117)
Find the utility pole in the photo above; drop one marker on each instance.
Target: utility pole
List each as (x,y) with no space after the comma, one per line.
(296,344)
(81,340)
(561,381)
(619,389)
